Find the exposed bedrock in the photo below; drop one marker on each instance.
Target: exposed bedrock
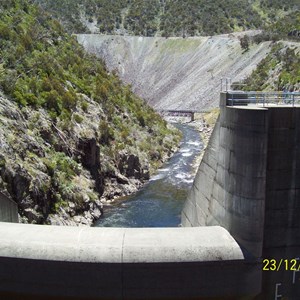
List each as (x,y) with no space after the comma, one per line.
(175,72)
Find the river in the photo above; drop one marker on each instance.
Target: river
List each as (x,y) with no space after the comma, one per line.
(160,201)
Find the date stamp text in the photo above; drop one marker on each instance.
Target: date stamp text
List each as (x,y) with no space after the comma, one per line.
(276,265)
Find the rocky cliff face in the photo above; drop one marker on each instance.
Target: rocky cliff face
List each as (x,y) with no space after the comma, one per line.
(71,135)
(175,72)
(33,177)
(61,177)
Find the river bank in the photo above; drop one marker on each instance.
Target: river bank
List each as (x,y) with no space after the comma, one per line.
(113,208)
(116,187)
(204,124)
(121,193)
(57,170)
(160,201)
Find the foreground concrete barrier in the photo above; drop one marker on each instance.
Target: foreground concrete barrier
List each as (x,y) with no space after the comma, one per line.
(123,263)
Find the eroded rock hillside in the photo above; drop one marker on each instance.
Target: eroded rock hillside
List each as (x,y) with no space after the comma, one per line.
(72,136)
(177,73)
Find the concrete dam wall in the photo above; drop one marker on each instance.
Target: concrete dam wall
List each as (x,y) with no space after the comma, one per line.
(229,185)
(248,182)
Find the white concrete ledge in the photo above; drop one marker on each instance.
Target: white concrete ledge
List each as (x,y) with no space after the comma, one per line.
(117,245)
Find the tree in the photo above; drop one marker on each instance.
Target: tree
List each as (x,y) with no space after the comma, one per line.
(245,42)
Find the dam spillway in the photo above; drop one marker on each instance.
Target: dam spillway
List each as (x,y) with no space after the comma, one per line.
(243,208)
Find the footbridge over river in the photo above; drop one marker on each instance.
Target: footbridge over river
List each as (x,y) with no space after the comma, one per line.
(191,113)
(243,208)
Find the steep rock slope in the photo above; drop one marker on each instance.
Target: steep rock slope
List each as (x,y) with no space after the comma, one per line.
(71,134)
(177,73)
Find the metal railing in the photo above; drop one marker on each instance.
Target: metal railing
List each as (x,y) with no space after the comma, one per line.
(263,99)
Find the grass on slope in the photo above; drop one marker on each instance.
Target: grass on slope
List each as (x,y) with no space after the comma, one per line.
(65,97)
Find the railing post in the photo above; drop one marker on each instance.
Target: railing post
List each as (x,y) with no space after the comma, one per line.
(293,97)
(192,117)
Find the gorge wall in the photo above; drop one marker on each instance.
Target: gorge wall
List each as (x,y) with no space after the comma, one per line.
(175,72)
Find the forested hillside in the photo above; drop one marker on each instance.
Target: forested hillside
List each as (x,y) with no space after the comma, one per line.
(71,134)
(278,71)
(169,17)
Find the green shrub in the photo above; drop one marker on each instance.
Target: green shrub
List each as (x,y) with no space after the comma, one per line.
(84,106)
(106,132)
(78,118)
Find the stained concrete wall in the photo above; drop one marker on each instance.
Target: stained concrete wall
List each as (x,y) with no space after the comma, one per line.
(248,182)
(282,208)
(229,188)
(282,222)
(8,210)
(123,263)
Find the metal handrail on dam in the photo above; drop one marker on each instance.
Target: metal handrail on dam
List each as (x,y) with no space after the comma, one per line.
(235,98)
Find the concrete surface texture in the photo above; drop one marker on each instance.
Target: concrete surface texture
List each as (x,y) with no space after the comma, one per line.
(248,182)
(8,210)
(120,263)
(117,245)
(229,188)
(176,73)
(282,208)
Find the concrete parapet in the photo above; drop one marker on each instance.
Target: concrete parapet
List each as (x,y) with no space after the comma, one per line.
(117,245)
(120,263)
